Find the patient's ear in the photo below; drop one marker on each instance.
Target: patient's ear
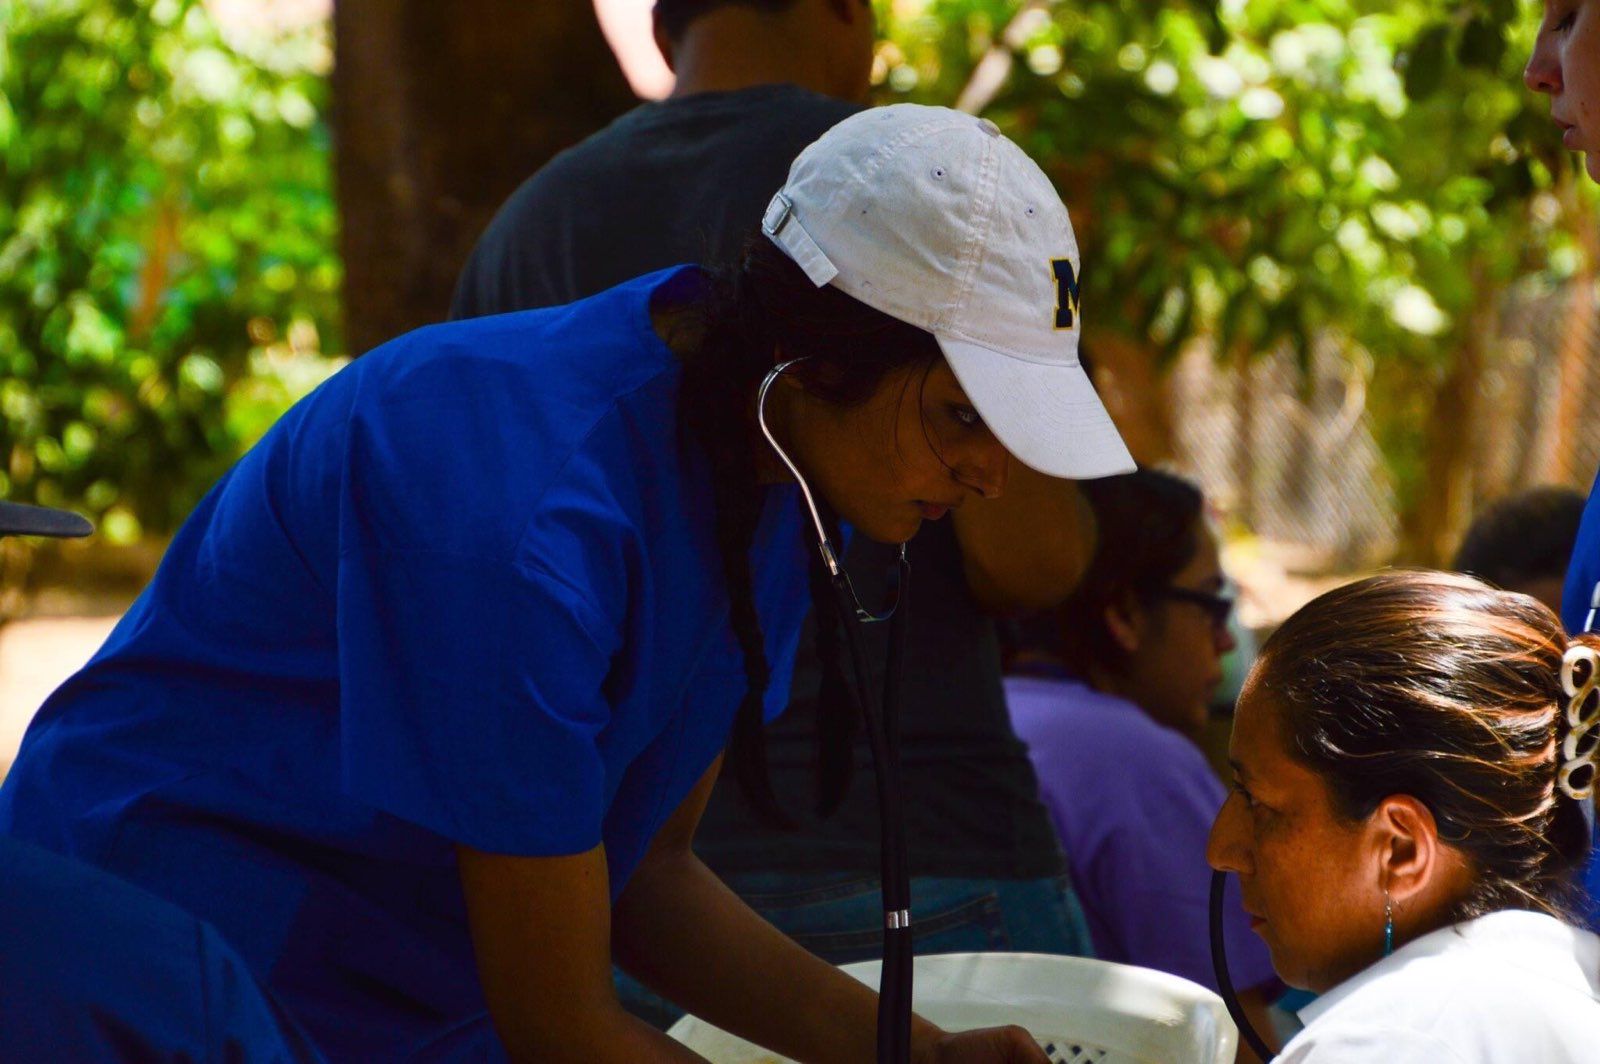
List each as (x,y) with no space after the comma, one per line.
(1421,872)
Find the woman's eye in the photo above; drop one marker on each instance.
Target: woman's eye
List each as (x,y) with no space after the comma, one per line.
(1566,22)
(966,416)
(1249,799)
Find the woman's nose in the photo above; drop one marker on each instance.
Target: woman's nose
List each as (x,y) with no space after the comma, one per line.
(1225,848)
(1543,72)
(1224,637)
(985,469)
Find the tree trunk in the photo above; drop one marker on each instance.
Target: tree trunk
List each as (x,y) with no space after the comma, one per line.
(1244,451)
(440,111)
(1444,506)
(1134,391)
(1577,336)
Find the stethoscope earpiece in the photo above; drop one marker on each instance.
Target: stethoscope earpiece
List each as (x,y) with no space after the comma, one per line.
(830,554)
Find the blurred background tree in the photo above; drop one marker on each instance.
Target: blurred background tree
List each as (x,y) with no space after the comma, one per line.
(168,278)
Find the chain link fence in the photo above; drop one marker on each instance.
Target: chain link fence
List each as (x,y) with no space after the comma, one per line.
(1305,467)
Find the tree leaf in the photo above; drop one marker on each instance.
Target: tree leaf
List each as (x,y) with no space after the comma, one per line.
(1424,64)
(1482,45)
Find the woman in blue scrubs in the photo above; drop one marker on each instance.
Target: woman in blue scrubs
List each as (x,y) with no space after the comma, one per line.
(92,968)
(425,699)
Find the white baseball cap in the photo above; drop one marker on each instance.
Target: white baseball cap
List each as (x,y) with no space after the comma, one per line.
(932,217)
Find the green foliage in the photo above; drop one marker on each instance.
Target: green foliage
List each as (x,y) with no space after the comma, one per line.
(167,266)
(1258,172)
(1252,171)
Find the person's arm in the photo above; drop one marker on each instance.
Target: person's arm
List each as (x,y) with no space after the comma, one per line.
(541,934)
(675,909)
(1027,549)
(544,936)
(680,930)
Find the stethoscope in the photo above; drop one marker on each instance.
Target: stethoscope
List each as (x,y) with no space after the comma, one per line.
(882,721)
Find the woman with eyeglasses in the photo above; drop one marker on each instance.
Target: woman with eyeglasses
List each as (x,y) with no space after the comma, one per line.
(1110,692)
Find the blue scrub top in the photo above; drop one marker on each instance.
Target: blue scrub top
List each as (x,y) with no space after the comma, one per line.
(468,591)
(94,969)
(1582,574)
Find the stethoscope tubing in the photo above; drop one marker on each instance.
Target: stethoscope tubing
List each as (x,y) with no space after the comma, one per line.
(882,722)
(829,556)
(895,982)
(1219,967)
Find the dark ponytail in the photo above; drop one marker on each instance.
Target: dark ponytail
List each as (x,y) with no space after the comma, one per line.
(745,317)
(720,376)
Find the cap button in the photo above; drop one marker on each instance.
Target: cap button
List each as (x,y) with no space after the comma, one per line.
(988,127)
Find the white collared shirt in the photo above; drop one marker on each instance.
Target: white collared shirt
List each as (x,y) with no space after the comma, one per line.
(1512,987)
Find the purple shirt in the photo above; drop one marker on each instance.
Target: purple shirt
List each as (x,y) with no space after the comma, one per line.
(1133,802)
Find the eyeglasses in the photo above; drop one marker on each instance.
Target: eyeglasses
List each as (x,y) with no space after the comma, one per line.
(1219,607)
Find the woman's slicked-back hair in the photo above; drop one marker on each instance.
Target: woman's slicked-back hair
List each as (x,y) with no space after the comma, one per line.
(750,312)
(1147,530)
(1437,686)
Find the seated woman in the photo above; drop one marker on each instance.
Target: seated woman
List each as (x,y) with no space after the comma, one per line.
(1108,691)
(1412,754)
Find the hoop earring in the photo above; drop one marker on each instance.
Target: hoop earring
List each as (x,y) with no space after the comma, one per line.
(1388,925)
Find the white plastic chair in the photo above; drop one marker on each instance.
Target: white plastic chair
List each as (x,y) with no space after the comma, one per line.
(1081,1011)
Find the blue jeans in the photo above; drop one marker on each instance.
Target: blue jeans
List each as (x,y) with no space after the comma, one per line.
(837,916)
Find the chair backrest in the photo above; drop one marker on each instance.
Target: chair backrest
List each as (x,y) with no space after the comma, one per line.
(1082,1011)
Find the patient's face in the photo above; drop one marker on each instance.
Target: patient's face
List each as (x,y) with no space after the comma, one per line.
(1310,880)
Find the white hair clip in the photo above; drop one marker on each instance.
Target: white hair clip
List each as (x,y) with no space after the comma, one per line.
(1580,679)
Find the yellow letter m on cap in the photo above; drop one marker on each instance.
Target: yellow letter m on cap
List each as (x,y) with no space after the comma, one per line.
(1066,293)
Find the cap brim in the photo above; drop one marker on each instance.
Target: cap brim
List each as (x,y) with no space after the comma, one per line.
(1048,416)
(19,519)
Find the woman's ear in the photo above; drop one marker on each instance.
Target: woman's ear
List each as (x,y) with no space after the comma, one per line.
(1126,621)
(1414,866)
